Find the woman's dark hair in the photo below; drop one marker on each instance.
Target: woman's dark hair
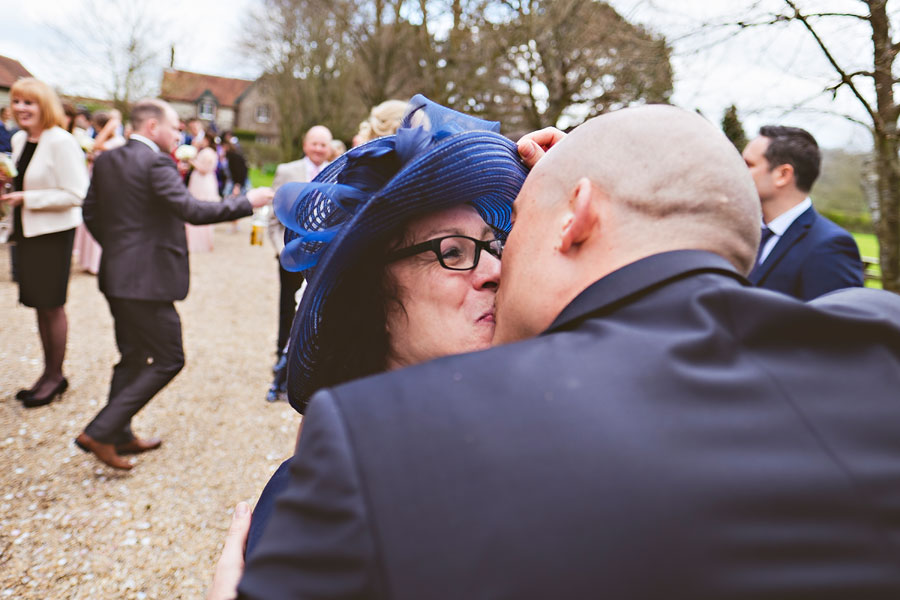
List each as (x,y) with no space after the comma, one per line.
(101,118)
(211,139)
(353,338)
(71,112)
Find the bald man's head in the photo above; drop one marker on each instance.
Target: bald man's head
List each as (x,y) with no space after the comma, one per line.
(317,144)
(621,187)
(672,172)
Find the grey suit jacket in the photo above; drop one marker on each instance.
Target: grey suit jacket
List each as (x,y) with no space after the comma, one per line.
(136,208)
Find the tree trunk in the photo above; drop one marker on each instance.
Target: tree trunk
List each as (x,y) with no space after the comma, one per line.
(884,133)
(887,227)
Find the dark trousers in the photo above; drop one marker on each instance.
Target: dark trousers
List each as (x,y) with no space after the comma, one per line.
(148,334)
(290,283)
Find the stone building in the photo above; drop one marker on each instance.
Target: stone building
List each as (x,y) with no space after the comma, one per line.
(228,103)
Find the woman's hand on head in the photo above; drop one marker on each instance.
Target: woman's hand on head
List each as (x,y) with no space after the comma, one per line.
(534,145)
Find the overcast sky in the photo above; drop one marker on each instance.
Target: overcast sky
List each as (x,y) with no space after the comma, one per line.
(765,72)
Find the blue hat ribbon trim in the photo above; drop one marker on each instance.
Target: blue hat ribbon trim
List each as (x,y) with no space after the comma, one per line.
(287,205)
(295,258)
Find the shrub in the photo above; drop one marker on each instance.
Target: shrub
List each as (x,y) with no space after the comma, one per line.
(860,223)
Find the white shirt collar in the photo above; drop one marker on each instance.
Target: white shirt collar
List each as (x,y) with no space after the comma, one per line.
(780,224)
(142,139)
(311,169)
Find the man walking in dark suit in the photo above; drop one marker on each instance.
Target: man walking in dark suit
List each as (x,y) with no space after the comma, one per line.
(671,432)
(801,252)
(136,208)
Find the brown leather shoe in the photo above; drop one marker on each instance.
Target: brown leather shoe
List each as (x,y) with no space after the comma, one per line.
(105,452)
(138,445)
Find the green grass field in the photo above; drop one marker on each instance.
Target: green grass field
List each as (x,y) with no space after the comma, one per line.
(868,247)
(260,179)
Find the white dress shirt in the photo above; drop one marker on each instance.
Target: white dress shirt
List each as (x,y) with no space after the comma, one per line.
(780,224)
(312,169)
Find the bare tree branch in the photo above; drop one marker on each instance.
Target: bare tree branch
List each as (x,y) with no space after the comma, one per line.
(845,77)
(838,14)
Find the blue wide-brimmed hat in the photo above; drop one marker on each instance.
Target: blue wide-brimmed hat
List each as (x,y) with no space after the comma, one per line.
(438,159)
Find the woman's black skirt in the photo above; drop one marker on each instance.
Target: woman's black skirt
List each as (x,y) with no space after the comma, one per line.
(43,263)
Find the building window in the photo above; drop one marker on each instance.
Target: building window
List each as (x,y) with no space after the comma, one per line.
(262,113)
(206,109)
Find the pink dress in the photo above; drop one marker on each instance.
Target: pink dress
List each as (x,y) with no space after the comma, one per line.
(203,186)
(86,250)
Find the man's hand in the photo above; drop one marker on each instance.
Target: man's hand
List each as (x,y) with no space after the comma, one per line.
(534,145)
(230,567)
(260,196)
(13,198)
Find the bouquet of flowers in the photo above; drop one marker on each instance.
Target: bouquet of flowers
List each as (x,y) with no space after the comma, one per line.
(8,167)
(8,170)
(185,153)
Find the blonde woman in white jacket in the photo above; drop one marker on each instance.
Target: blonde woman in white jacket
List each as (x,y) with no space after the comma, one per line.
(49,188)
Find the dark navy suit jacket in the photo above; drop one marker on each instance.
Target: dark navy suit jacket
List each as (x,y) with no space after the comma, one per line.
(813,257)
(674,434)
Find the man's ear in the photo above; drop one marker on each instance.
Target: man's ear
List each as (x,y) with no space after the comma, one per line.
(581,216)
(783,175)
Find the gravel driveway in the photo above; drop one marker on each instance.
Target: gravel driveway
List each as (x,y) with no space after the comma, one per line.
(70,527)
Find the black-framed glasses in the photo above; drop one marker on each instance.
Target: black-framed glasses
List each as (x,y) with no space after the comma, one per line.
(454,252)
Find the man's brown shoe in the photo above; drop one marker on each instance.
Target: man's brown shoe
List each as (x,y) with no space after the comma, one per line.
(138,445)
(105,452)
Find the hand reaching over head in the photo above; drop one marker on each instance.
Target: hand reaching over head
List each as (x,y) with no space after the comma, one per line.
(534,145)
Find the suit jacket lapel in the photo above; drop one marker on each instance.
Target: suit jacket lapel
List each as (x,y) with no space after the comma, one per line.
(796,232)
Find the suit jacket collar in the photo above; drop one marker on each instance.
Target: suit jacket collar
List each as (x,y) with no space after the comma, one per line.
(142,141)
(623,285)
(796,232)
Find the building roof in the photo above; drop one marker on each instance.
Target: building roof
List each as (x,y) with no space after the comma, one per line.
(185,86)
(11,71)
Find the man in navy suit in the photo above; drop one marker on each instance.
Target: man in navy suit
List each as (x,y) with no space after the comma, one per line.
(671,431)
(801,253)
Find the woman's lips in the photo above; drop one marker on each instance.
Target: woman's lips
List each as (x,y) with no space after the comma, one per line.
(487,317)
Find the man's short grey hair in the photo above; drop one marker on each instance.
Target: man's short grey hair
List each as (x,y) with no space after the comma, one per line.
(147,109)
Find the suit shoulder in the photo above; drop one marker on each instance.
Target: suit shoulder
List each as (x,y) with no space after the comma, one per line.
(828,228)
(862,302)
(290,166)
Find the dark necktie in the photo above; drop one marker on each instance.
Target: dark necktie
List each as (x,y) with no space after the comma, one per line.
(765,234)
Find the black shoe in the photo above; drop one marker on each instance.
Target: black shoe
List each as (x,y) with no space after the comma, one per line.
(33,401)
(23,394)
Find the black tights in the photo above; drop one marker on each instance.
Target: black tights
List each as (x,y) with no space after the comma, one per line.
(53,328)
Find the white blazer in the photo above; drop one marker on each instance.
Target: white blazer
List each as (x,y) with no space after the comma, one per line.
(55,183)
